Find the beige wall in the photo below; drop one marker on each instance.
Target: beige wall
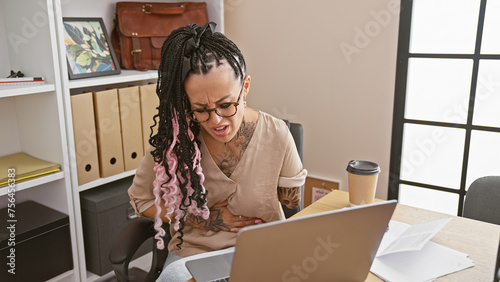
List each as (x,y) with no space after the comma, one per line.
(328,64)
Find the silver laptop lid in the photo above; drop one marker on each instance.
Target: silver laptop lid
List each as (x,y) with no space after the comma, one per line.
(337,245)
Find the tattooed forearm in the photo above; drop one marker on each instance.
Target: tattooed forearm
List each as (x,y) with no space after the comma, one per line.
(213,223)
(290,197)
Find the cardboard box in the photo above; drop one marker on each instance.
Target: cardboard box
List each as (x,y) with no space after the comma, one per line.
(130,121)
(149,102)
(42,241)
(109,139)
(84,132)
(105,213)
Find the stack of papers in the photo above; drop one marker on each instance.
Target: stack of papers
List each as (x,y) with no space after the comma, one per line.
(21,81)
(405,254)
(26,167)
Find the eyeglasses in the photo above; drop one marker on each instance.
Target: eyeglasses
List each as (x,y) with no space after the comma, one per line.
(224,110)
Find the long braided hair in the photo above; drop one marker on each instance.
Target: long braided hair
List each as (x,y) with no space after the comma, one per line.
(179,179)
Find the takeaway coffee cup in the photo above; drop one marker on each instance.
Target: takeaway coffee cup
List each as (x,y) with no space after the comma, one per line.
(362,177)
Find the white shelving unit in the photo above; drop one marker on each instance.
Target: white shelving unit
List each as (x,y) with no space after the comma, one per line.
(104,9)
(37,119)
(102,181)
(124,77)
(32,116)
(13,91)
(35,182)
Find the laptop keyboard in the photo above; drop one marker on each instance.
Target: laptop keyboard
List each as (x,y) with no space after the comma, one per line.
(222,280)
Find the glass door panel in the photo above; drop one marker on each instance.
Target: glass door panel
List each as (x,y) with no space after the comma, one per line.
(432,155)
(487,101)
(484,155)
(491,39)
(444,26)
(429,199)
(438,89)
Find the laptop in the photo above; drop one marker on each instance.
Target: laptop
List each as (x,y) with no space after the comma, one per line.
(337,245)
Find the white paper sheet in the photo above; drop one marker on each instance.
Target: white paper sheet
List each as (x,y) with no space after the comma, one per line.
(404,237)
(426,264)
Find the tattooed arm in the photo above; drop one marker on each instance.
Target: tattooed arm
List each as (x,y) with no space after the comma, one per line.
(289,196)
(213,223)
(221,219)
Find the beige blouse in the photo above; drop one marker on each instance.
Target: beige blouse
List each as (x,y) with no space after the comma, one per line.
(270,161)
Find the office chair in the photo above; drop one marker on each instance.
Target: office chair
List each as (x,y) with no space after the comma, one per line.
(482,201)
(298,136)
(141,229)
(496,275)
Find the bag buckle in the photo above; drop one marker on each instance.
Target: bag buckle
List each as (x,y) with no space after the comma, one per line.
(146,8)
(135,51)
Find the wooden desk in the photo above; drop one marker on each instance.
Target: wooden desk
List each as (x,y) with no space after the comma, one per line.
(476,238)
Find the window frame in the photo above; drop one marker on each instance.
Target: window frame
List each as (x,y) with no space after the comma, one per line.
(399,119)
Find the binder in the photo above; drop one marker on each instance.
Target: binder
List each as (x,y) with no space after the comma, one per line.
(149,102)
(109,139)
(20,167)
(130,118)
(84,132)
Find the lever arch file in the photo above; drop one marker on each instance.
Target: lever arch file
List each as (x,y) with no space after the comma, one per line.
(149,102)
(109,140)
(130,118)
(87,160)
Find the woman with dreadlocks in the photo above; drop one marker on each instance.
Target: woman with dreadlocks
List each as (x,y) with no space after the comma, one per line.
(215,165)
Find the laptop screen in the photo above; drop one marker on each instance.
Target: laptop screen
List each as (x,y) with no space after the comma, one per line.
(337,245)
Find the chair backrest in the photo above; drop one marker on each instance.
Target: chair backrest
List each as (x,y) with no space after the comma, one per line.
(298,136)
(482,201)
(497,267)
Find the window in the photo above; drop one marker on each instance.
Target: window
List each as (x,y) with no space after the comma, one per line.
(446,127)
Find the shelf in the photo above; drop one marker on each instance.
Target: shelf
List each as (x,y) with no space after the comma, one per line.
(35,182)
(18,90)
(68,88)
(124,76)
(66,276)
(102,181)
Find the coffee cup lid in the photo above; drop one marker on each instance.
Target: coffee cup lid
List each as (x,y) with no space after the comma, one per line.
(363,167)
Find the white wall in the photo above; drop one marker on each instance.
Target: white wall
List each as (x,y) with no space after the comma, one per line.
(344,99)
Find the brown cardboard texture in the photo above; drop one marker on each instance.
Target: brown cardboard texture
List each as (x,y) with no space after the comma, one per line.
(109,140)
(87,159)
(130,121)
(149,102)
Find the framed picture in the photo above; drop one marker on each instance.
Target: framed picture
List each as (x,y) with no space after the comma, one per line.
(88,48)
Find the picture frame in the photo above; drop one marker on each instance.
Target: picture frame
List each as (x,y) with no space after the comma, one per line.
(89,52)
